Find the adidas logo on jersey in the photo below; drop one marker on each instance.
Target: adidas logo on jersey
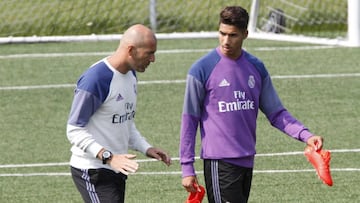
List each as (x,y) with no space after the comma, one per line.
(119,98)
(224,83)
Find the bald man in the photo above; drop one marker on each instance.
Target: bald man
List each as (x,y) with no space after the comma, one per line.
(101,127)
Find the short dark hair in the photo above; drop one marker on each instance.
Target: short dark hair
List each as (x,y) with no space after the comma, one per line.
(236,16)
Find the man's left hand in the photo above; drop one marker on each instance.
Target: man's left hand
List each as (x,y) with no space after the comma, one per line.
(159,154)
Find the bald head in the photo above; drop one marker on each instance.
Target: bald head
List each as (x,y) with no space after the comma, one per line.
(136,49)
(137,35)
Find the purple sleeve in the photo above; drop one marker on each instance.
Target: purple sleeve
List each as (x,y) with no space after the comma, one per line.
(187,144)
(91,91)
(278,116)
(83,107)
(285,122)
(194,94)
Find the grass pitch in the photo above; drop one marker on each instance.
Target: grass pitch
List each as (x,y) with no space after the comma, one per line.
(319,85)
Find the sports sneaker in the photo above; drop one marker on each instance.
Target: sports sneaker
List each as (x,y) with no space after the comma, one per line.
(320,159)
(196,197)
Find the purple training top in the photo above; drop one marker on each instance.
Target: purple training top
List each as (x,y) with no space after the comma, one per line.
(224,96)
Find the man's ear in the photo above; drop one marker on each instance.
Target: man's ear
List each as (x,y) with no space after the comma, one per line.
(246,33)
(131,50)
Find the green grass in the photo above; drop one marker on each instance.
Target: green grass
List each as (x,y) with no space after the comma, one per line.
(33,121)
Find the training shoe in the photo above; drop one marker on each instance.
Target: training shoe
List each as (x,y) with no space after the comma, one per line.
(196,197)
(320,159)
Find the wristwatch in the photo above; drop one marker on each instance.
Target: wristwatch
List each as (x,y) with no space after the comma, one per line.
(106,156)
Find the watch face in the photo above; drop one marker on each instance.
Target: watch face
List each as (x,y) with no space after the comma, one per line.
(106,154)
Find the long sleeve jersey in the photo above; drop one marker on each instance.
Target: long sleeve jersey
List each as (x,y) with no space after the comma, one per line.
(102,116)
(222,98)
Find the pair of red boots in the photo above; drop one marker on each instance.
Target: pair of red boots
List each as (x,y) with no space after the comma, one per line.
(320,159)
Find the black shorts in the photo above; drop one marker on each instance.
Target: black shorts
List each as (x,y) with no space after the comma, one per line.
(99,185)
(226,182)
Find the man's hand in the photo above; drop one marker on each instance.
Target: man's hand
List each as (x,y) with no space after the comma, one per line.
(124,163)
(188,183)
(316,142)
(159,154)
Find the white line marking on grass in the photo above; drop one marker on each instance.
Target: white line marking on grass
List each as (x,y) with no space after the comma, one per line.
(73,85)
(301,152)
(294,48)
(173,159)
(34,165)
(52,55)
(255,171)
(306,170)
(48,55)
(179,172)
(33,174)
(150,82)
(37,87)
(170,51)
(316,76)
(179,51)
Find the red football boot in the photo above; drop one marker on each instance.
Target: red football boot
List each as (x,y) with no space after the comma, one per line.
(196,197)
(320,159)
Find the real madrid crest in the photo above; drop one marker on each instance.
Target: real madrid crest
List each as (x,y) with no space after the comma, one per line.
(251,81)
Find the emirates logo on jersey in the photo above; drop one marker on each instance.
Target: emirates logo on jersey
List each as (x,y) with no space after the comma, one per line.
(128,115)
(240,103)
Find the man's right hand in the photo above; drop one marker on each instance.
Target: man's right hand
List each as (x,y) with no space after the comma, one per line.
(188,183)
(124,163)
